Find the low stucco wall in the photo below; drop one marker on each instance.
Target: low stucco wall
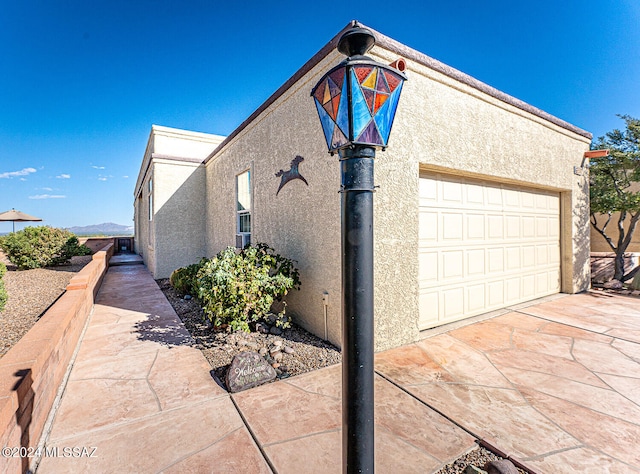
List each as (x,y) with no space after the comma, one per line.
(603,265)
(31,371)
(599,244)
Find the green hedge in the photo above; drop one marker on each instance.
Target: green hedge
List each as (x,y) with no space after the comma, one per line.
(44,246)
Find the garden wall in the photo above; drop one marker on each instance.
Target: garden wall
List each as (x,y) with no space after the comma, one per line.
(33,370)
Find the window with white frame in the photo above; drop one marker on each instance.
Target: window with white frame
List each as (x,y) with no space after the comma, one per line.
(243,209)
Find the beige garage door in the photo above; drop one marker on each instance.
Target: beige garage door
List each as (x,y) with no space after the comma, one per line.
(484,246)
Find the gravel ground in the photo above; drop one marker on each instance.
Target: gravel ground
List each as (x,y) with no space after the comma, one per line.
(308,352)
(477,457)
(31,292)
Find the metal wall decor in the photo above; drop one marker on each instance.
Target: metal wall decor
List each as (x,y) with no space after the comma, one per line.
(291,174)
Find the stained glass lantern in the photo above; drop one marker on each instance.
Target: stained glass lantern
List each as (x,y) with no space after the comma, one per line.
(357,99)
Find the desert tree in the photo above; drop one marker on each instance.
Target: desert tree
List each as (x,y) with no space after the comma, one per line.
(615,190)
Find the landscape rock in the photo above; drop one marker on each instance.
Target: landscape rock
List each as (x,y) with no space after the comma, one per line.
(248,370)
(613,285)
(500,466)
(471,469)
(262,328)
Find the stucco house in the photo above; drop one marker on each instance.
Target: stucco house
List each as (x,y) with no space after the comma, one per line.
(478,205)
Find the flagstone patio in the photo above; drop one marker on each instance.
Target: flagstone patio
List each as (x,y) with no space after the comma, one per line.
(554,385)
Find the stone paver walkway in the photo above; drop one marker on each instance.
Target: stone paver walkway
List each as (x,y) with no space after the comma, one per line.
(555,385)
(142,397)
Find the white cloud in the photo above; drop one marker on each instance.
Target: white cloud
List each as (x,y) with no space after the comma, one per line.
(47,196)
(22,172)
(97,167)
(63,176)
(47,189)
(125,177)
(102,178)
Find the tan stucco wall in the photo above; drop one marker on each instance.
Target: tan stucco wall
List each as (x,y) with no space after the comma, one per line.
(179,210)
(175,237)
(440,124)
(302,222)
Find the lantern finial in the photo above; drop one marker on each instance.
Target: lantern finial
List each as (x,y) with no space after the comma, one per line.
(356,41)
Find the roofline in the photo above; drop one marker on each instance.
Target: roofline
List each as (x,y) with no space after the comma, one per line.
(408,53)
(159,130)
(418,57)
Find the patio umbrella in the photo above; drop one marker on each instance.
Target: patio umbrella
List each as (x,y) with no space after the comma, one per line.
(17,216)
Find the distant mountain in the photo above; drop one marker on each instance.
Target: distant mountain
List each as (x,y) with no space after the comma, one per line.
(108,228)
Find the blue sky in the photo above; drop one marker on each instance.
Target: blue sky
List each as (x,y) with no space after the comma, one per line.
(81,82)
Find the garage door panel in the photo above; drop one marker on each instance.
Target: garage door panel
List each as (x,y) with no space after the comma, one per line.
(452,264)
(429,309)
(475,299)
(428,229)
(484,246)
(496,293)
(475,227)
(428,190)
(452,304)
(512,258)
(452,192)
(428,262)
(476,263)
(474,194)
(452,226)
(554,227)
(512,290)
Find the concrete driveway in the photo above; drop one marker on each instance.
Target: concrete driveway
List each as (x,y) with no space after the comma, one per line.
(554,384)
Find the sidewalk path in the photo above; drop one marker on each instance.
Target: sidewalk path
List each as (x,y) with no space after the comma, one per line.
(142,397)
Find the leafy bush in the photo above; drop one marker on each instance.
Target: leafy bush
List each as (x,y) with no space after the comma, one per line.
(3,293)
(44,246)
(237,288)
(184,280)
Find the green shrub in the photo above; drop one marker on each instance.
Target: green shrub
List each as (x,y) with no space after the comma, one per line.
(184,280)
(37,247)
(237,288)
(3,293)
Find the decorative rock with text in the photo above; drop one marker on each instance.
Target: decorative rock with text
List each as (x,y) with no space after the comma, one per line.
(248,370)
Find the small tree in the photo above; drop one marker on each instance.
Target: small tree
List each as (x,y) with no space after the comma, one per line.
(612,192)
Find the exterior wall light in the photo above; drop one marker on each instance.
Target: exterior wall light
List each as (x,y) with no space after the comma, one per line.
(356,103)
